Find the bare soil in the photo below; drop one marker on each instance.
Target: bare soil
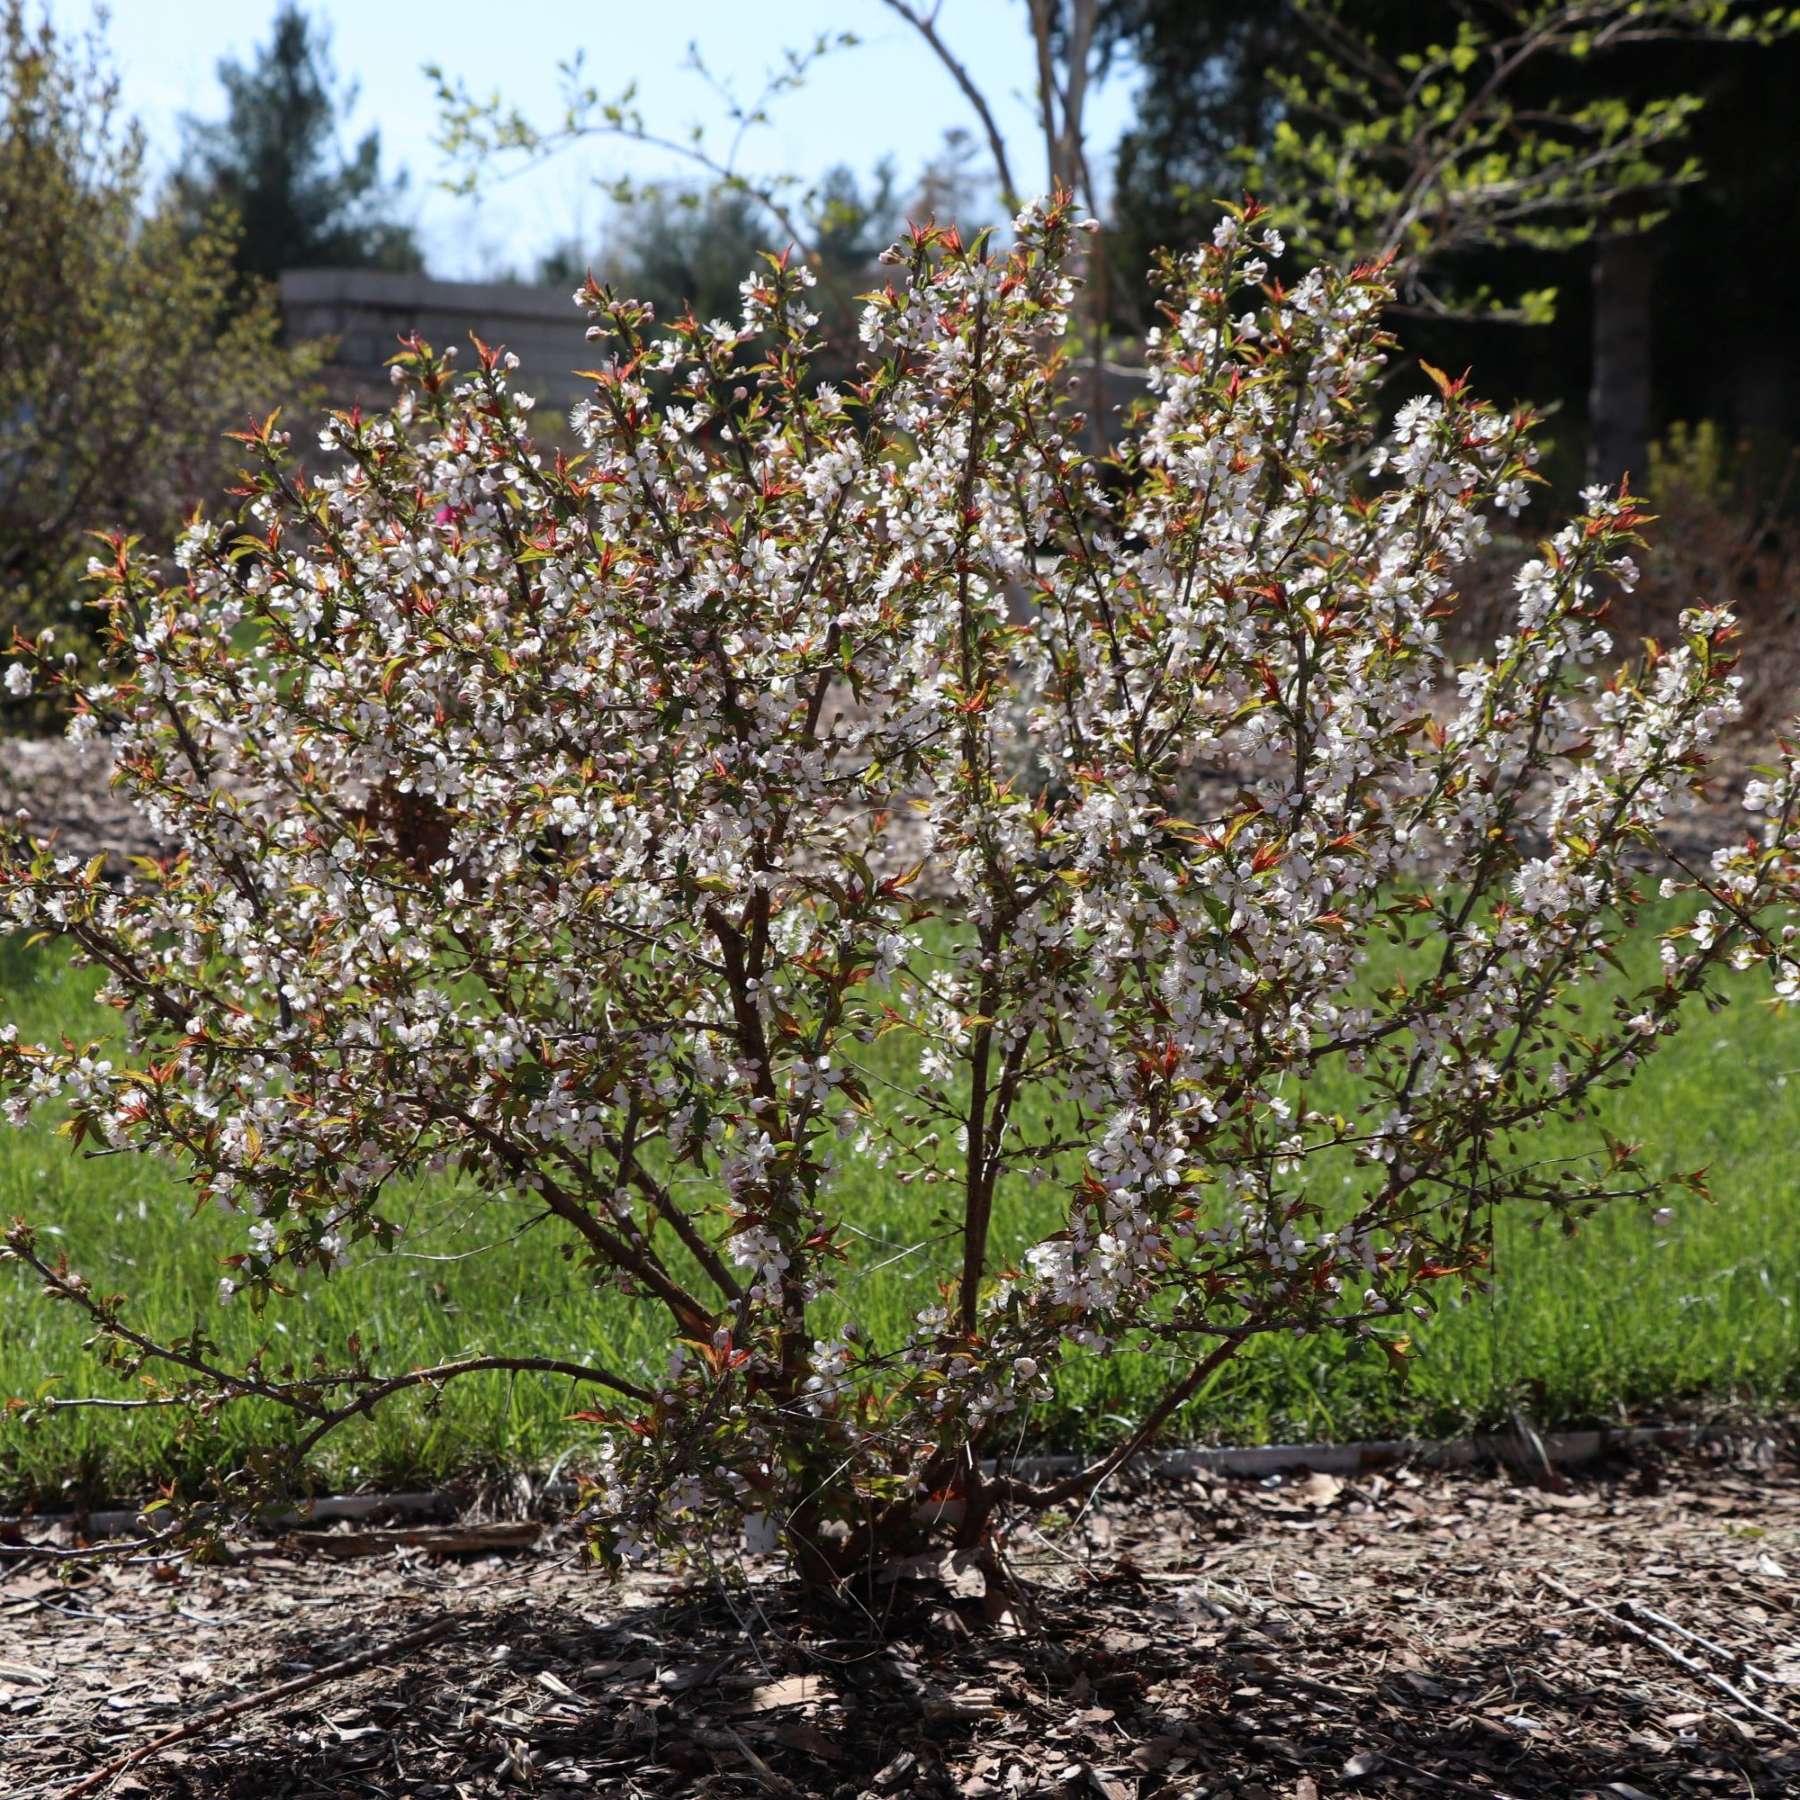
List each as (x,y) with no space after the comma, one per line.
(1631,1635)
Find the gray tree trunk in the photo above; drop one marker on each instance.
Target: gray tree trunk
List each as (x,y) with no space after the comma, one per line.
(1619,391)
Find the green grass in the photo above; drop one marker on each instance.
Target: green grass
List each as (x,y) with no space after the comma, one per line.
(1628,1320)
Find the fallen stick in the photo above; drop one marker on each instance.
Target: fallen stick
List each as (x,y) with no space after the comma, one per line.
(768,1778)
(444,1540)
(1679,1657)
(108,1773)
(1719,1650)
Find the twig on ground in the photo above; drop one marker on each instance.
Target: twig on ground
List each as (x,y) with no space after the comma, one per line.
(441,1540)
(108,1773)
(1679,1657)
(766,1777)
(1719,1650)
(55,1553)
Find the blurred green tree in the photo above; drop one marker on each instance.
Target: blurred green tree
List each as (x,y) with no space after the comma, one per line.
(677,246)
(126,347)
(1492,152)
(274,161)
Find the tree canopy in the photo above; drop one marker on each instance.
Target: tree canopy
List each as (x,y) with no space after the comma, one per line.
(275,161)
(127,349)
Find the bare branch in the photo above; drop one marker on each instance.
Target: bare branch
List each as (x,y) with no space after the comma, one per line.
(925,24)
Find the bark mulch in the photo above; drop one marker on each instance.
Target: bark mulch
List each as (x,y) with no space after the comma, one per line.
(63,788)
(1631,1634)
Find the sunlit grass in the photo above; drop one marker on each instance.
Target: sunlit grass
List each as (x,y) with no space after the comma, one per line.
(1628,1320)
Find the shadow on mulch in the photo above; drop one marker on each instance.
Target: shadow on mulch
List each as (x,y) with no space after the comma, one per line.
(1282,1640)
(764,1698)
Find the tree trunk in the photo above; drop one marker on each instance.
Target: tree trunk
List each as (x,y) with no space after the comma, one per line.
(1619,392)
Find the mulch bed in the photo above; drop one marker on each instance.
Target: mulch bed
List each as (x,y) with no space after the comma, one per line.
(1304,1636)
(64,789)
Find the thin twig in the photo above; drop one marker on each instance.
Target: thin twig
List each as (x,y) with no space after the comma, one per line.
(113,1552)
(108,1773)
(1678,1657)
(771,1781)
(1719,1650)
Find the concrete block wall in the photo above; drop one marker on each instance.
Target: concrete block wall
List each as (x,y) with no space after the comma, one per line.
(368,311)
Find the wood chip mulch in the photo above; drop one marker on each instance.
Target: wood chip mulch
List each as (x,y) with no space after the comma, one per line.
(1627,1634)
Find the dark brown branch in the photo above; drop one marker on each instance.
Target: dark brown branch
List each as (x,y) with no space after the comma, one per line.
(365,1403)
(70,1288)
(1084,1481)
(379,1386)
(608,1245)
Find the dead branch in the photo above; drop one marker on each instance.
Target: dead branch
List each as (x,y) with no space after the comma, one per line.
(1679,1657)
(1705,1643)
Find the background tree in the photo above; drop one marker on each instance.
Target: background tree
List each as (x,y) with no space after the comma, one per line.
(1495,152)
(952,184)
(479,132)
(1447,141)
(1507,154)
(675,247)
(852,229)
(1069,60)
(681,246)
(274,160)
(124,352)
(1204,94)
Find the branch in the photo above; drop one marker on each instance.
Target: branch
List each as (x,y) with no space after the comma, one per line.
(1047,89)
(379,1386)
(925,24)
(394,1384)
(1680,1658)
(18,1244)
(644,1265)
(1084,1481)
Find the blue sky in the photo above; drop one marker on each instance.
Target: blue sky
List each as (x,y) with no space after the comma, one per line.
(887,96)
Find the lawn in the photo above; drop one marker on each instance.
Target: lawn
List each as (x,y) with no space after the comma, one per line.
(1630,1320)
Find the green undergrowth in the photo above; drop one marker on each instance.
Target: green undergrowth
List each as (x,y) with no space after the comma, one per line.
(1629,1320)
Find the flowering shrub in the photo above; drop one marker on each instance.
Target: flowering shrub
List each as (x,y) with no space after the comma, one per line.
(1725,529)
(584,823)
